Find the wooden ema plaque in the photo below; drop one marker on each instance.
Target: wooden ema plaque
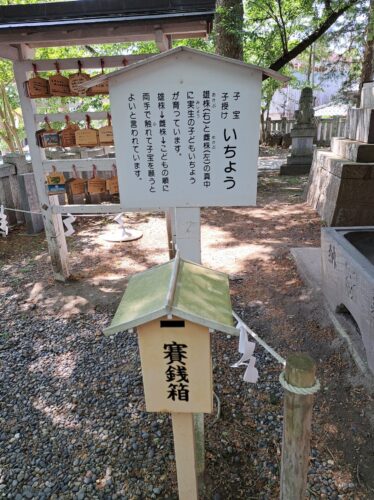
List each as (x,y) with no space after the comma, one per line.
(67,136)
(37,87)
(96,185)
(75,186)
(75,81)
(176,366)
(87,137)
(106,135)
(55,182)
(100,88)
(112,185)
(47,138)
(58,84)
(55,178)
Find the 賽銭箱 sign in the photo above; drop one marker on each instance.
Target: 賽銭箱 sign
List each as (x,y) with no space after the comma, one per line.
(186,129)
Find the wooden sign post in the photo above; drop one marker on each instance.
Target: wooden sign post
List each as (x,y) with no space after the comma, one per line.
(186,129)
(176,358)
(183,303)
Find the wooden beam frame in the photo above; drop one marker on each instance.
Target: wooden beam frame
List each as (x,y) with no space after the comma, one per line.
(99,33)
(163,41)
(87,62)
(104,209)
(9,52)
(52,222)
(75,116)
(82,164)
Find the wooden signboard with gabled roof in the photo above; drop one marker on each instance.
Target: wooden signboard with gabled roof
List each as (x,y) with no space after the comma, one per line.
(186,129)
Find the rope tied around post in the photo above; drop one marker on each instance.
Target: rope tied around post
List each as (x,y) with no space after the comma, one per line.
(303,391)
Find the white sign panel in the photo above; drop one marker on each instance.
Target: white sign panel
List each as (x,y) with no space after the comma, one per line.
(180,144)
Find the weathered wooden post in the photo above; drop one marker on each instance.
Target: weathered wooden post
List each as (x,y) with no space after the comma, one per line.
(300,383)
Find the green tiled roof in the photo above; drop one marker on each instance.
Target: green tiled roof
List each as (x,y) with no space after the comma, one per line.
(181,288)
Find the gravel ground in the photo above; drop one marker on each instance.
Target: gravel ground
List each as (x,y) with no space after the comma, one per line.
(72,419)
(73,423)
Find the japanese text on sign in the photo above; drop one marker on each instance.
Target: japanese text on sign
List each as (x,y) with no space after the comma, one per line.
(190,140)
(176,372)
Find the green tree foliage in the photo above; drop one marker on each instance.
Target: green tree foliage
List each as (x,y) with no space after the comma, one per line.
(269,33)
(367,71)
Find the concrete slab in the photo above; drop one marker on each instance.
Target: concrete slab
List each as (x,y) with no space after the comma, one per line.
(308,263)
(309,266)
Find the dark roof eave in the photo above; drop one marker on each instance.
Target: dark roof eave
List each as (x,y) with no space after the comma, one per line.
(104,10)
(205,16)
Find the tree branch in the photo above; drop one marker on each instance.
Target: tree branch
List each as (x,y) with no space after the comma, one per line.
(286,57)
(283,25)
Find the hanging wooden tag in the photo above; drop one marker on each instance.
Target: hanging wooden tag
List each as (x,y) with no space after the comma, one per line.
(38,137)
(96,185)
(55,182)
(99,88)
(50,139)
(75,185)
(58,84)
(112,183)
(37,87)
(106,133)
(47,138)
(67,135)
(87,137)
(76,80)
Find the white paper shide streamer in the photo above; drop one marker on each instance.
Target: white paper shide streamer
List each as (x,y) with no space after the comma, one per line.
(120,221)
(246,349)
(4,227)
(68,221)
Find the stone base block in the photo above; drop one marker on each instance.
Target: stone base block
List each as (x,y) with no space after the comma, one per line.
(348,278)
(300,159)
(367,95)
(353,150)
(30,201)
(303,131)
(7,172)
(294,169)
(341,191)
(360,125)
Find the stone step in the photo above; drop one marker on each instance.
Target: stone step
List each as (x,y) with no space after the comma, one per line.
(360,125)
(356,151)
(341,191)
(342,167)
(367,95)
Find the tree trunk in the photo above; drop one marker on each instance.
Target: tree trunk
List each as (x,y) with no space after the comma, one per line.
(367,72)
(229,28)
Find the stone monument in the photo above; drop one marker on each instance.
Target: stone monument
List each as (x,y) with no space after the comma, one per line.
(341,181)
(302,135)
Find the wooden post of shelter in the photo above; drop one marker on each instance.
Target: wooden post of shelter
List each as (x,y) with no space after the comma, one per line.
(300,373)
(52,222)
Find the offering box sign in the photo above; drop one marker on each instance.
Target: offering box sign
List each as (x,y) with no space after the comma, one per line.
(186,129)
(176,367)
